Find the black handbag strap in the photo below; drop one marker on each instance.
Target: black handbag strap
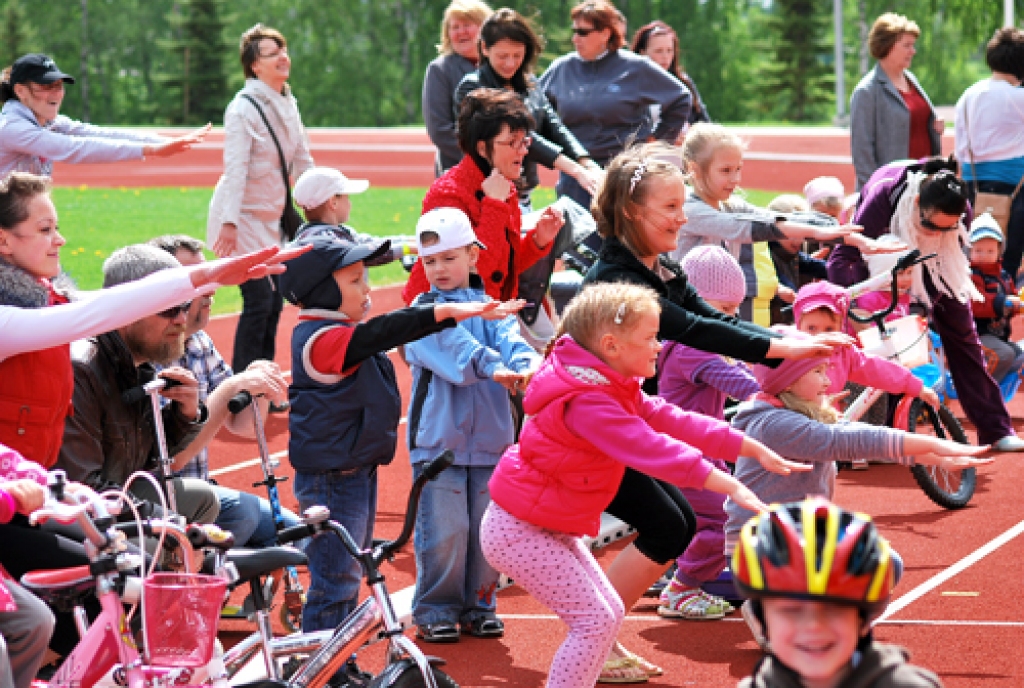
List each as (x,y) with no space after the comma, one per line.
(277,144)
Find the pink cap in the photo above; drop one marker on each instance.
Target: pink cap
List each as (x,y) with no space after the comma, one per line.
(821,295)
(776,380)
(821,188)
(715,274)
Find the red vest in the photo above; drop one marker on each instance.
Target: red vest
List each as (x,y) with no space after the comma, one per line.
(35,398)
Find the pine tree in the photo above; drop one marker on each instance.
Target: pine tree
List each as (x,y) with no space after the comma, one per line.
(17,36)
(196,84)
(796,81)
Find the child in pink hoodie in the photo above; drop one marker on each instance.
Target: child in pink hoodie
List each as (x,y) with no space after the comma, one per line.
(587,419)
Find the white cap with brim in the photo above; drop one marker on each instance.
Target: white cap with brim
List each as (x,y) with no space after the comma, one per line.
(985,227)
(452,227)
(318,184)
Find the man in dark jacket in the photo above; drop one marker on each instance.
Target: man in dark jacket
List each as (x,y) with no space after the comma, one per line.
(107,439)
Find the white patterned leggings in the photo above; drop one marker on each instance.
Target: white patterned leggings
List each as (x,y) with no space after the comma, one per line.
(560,572)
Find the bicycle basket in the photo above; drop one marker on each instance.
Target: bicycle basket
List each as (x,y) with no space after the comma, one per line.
(907,342)
(180,617)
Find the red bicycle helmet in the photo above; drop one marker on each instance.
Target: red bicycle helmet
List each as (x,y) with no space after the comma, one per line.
(814,550)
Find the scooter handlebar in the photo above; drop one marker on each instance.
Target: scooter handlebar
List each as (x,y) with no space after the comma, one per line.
(136,394)
(240,402)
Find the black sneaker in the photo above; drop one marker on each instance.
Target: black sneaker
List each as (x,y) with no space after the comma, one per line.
(484,627)
(350,676)
(442,632)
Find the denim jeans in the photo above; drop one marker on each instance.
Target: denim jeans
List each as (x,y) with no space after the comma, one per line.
(249,518)
(454,582)
(257,325)
(335,576)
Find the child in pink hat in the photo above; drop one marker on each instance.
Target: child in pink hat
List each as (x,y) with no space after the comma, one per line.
(701,382)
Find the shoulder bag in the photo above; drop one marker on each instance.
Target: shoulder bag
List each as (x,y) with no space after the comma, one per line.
(997,205)
(290,218)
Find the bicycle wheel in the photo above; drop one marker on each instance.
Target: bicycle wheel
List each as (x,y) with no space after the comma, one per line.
(411,677)
(949,489)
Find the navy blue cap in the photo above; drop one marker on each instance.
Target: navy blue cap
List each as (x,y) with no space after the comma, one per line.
(309,279)
(38,69)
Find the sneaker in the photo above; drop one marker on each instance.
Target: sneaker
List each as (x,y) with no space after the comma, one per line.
(484,627)
(725,604)
(442,632)
(350,676)
(754,624)
(689,603)
(659,585)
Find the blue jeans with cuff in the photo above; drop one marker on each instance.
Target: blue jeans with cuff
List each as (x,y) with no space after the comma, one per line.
(249,518)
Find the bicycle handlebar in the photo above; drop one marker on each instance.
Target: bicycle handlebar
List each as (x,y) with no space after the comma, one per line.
(912,258)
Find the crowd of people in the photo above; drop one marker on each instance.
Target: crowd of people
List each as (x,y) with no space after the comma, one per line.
(625,401)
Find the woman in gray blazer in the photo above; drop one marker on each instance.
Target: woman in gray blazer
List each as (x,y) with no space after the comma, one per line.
(891,117)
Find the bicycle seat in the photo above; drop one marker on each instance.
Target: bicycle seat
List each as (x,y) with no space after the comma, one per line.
(61,588)
(252,563)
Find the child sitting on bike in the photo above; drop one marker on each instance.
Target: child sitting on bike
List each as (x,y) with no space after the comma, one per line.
(794,417)
(994,316)
(701,382)
(461,381)
(587,420)
(345,404)
(819,629)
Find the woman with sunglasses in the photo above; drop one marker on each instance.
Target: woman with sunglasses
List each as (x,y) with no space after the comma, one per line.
(494,135)
(603,93)
(926,205)
(33,135)
(509,50)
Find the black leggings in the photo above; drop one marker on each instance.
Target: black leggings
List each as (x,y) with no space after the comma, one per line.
(24,548)
(659,512)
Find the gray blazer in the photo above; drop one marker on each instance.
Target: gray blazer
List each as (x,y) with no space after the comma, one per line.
(880,124)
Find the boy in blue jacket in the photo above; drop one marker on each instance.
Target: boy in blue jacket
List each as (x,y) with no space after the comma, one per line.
(345,403)
(461,383)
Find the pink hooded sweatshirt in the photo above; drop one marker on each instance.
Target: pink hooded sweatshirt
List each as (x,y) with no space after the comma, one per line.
(586,424)
(13,466)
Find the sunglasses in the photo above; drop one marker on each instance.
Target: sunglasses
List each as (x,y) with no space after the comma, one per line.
(174,311)
(928,224)
(580,31)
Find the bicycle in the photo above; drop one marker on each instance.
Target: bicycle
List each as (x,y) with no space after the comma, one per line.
(373,619)
(951,489)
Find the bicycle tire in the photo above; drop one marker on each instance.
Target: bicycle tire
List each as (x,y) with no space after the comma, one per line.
(412,677)
(948,489)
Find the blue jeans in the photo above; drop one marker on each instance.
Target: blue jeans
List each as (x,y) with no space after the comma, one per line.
(249,518)
(334,575)
(454,582)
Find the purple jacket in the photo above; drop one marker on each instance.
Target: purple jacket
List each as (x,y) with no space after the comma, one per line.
(700,381)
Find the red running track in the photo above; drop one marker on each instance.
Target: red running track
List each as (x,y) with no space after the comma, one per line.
(969,629)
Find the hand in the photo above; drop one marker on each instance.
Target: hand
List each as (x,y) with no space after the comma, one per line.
(490,310)
(28,494)
(940,126)
(770,460)
(178,145)
(508,379)
(551,220)
(496,186)
(785,293)
(262,378)
(869,246)
(819,345)
(590,178)
(186,394)
(746,499)
(227,240)
(844,232)
(951,463)
(929,396)
(239,269)
(822,253)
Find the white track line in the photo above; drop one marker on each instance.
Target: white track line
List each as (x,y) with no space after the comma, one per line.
(960,566)
(738,619)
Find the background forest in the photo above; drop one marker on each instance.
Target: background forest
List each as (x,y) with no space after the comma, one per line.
(361,62)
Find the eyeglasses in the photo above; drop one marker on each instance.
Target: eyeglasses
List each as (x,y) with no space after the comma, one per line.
(275,55)
(174,311)
(522,144)
(582,32)
(928,224)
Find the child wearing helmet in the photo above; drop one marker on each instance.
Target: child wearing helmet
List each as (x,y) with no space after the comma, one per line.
(817,576)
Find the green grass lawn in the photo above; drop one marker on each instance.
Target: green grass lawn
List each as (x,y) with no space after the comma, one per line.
(96,222)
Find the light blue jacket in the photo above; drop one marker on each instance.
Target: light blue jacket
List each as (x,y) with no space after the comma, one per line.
(27,146)
(464,409)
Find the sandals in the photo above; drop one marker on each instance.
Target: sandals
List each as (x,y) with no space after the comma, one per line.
(484,627)
(692,604)
(623,670)
(442,632)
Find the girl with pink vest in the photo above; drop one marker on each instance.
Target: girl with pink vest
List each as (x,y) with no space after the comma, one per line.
(587,420)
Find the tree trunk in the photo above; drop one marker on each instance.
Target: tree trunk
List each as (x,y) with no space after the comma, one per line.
(83,62)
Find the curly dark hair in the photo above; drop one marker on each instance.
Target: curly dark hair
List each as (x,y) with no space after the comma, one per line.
(1005,52)
(482,115)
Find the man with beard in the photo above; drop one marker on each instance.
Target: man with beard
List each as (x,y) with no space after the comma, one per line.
(107,439)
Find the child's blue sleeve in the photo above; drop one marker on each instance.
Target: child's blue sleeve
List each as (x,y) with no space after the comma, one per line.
(516,353)
(454,355)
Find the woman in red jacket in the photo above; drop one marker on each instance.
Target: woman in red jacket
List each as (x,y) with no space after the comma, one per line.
(493,130)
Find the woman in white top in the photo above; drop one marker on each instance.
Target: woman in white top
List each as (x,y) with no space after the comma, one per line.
(33,135)
(990,134)
(245,211)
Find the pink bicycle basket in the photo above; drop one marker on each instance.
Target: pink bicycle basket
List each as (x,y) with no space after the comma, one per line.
(181,614)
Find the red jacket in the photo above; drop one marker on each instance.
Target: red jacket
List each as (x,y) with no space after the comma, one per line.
(585,424)
(994,315)
(497,225)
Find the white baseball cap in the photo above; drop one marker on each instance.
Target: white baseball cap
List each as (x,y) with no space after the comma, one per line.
(452,227)
(318,184)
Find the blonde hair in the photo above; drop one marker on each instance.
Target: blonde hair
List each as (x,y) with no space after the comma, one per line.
(619,203)
(475,11)
(788,203)
(606,307)
(886,30)
(702,141)
(823,413)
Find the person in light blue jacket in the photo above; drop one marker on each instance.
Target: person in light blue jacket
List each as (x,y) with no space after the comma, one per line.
(461,383)
(33,135)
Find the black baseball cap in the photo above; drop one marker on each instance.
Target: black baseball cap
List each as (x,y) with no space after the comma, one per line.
(38,69)
(309,279)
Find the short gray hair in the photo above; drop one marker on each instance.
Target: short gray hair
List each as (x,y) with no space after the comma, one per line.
(172,243)
(134,262)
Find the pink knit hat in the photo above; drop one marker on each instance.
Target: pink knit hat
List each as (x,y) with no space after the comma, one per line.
(821,295)
(776,380)
(820,188)
(715,274)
